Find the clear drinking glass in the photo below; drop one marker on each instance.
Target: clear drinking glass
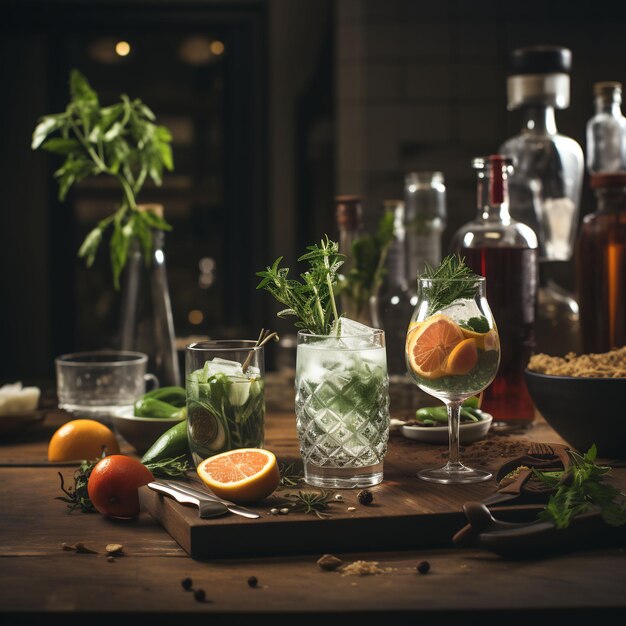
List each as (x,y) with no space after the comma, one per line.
(225,396)
(452,353)
(99,384)
(342,408)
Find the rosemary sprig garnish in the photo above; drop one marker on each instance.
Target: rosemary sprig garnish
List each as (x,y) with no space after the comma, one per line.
(311,502)
(290,475)
(451,280)
(170,468)
(312,300)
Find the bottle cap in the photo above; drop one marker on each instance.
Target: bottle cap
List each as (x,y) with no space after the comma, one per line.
(607,89)
(543,59)
(485,162)
(608,179)
(497,176)
(539,75)
(424,178)
(349,211)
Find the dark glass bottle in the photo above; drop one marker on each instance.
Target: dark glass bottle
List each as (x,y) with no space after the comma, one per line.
(601,266)
(392,308)
(147,322)
(505,252)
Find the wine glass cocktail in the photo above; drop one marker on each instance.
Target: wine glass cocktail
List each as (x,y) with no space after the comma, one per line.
(452,353)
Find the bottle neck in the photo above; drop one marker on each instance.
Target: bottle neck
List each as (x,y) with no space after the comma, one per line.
(610,105)
(611,199)
(493,204)
(539,118)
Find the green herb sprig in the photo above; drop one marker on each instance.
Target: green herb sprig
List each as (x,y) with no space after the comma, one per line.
(579,488)
(290,475)
(121,141)
(369,254)
(308,502)
(312,300)
(451,280)
(77,496)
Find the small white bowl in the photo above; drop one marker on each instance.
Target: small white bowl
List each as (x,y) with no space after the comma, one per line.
(141,432)
(468,431)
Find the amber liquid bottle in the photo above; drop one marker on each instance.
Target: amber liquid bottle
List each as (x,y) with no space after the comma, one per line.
(601,266)
(505,252)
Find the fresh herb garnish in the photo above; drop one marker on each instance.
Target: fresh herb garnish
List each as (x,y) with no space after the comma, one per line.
(311,502)
(451,280)
(121,141)
(77,496)
(478,324)
(368,254)
(311,301)
(170,468)
(290,475)
(579,488)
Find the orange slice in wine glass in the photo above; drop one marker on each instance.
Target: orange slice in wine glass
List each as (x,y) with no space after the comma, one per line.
(430,344)
(462,358)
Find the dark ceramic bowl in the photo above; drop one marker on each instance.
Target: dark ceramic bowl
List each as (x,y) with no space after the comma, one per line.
(583,411)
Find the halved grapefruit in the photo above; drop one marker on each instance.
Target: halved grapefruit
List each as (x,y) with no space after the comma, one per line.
(243,475)
(429,345)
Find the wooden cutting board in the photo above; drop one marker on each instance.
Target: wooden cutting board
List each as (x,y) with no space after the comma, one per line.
(406,512)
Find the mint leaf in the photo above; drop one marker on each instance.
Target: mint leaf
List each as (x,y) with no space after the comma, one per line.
(579,488)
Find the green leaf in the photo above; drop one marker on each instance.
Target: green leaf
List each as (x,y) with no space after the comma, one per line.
(119,250)
(143,233)
(155,169)
(113,132)
(591,454)
(146,110)
(153,220)
(166,156)
(81,90)
(47,125)
(59,145)
(89,247)
(162,133)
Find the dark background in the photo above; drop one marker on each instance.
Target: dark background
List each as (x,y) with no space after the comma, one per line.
(310,98)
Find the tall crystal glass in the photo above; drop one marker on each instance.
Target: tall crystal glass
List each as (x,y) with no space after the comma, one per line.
(452,353)
(342,408)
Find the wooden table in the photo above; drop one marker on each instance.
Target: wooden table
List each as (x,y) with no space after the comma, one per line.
(38,580)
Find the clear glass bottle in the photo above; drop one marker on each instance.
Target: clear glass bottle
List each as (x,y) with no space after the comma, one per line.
(505,252)
(601,266)
(546,185)
(424,222)
(391,306)
(606,130)
(349,216)
(147,323)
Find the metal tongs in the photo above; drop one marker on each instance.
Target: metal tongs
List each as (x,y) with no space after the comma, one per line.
(209,505)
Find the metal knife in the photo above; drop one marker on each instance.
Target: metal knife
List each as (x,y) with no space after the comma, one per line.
(200,493)
(207,507)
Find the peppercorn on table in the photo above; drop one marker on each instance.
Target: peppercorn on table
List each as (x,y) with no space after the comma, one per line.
(153,576)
